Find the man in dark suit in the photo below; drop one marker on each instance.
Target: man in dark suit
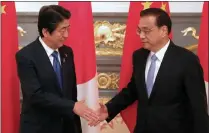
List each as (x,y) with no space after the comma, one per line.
(47,74)
(167,81)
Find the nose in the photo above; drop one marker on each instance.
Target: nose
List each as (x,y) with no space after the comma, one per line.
(65,34)
(141,35)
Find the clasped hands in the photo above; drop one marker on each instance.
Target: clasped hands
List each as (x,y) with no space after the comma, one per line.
(93,117)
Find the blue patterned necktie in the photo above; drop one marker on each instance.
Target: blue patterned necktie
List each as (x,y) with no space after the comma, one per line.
(150,75)
(57,67)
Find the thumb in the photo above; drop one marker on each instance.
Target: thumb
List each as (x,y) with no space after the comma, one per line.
(82,101)
(101,105)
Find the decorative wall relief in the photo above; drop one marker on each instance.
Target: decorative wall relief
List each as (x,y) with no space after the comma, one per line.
(191,47)
(21,32)
(109,38)
(117,125)
(108,80)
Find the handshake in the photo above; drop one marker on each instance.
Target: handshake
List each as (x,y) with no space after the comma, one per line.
(93,117)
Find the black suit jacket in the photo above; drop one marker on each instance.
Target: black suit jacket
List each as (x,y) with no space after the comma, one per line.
(46,108)
(178,100)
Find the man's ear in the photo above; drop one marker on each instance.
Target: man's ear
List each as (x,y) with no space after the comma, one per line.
(45,32)
(164,31)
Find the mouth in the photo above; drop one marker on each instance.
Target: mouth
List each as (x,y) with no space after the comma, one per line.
(143,42)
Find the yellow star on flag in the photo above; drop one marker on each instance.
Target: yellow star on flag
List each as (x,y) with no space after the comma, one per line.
(3,9)
(146,4)
(163,6)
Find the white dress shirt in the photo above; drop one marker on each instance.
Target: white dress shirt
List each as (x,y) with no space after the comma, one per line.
(49,51)
(160,54)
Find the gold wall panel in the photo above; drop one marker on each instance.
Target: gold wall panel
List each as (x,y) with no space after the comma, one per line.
(117,125)
(109,38)
(108,80)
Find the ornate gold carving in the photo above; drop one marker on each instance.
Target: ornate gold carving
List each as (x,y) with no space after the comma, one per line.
(109,38)
(191,47)
(21,32)
(104,100)
(108,80)
(193,30)
(117,120)
(109,52)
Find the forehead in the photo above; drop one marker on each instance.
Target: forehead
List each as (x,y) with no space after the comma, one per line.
(64,23)
(147,21)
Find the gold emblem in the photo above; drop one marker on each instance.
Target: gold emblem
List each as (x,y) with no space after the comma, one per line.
(146,4)
(163,6)
(3,9)
(108,80)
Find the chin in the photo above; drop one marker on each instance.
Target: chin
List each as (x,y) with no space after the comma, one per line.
(60,45)
(146,46)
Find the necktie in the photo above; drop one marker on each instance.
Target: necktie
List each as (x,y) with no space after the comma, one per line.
(57,67)
(150,75)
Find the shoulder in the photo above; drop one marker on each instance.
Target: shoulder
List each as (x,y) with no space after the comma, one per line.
(27,50)
(67,48)
(185,54)
(141,52)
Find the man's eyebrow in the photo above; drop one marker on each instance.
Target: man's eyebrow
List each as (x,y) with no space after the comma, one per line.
(65,27)
(142,27)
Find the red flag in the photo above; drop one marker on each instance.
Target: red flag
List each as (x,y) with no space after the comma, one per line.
(10,98)
(81,39)
(131,43)
(203,42)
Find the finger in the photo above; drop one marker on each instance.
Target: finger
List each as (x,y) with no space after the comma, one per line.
(93,123)
(90,123)
(86,117)
(92,114)
(93,118)
(102,107)
(101,104)
(82,101)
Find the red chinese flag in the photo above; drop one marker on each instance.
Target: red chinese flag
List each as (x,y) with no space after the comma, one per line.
(132,43)
(10,98)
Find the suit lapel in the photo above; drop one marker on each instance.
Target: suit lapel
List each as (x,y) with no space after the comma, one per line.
(43,59)
(164,67)
(142,67)
(64,56)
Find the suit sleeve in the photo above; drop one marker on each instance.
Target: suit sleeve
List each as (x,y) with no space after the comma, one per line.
(123,99)
(33,92)
(195,89)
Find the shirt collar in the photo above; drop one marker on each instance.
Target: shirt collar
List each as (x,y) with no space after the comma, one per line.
(160,54)
(48,50)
